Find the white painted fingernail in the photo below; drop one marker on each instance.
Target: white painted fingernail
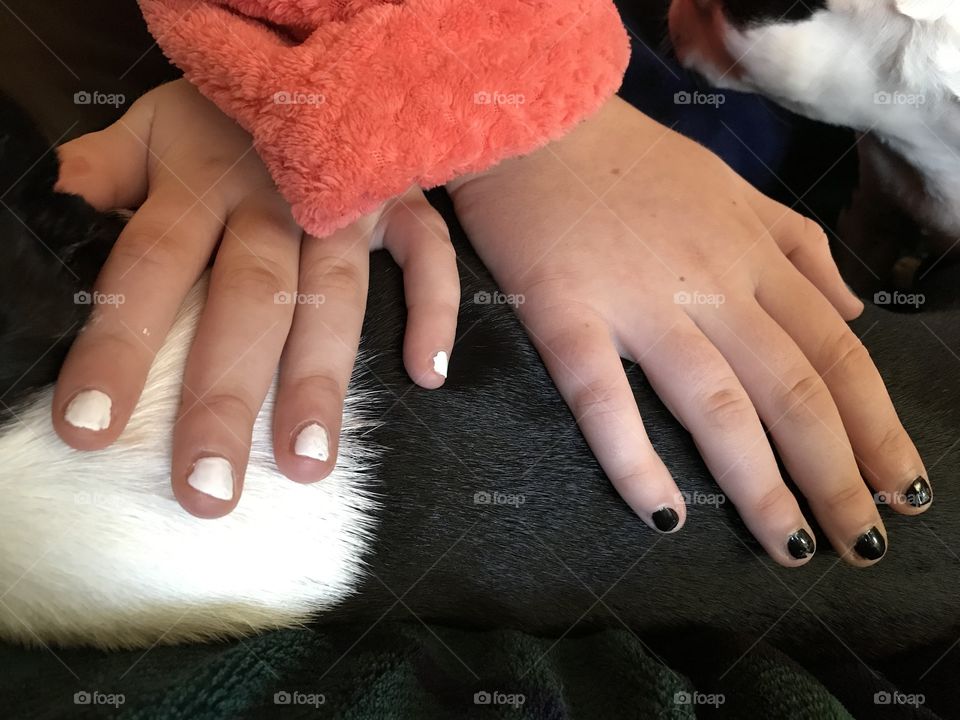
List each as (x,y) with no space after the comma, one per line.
(89,410)
(440,362)
(313,442)
(212,476)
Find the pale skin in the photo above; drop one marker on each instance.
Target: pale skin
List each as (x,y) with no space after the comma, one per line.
(602,233)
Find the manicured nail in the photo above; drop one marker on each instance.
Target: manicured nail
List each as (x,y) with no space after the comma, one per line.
(871,545)
(89,410)
(440,362)
(212,476)
(918,492)
(801,545)
(313,442)
(666,519)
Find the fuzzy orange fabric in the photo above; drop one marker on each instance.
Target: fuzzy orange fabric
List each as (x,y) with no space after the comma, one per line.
(350,102)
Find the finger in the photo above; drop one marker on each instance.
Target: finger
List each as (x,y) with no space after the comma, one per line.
(584,364)
(109,168)
(698,385)
(320,352)
(799,412)
(887,457)
(418,240)
(806,246)
(234,355)
(157,259)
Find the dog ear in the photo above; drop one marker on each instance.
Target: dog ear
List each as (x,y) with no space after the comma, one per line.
(932,54)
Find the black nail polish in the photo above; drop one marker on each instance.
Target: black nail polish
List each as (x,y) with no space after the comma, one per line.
(666,519)
(871,545)
(801,545)
(918,492)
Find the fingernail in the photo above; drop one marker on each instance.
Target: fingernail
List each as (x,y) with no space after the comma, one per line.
(89,410)
(212,476)
(313,442)
(801,545)
(666,519)
(440,363)
(871,545)
(918,492)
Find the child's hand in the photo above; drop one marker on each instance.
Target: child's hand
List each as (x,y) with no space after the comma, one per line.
(627,240)
(197,181)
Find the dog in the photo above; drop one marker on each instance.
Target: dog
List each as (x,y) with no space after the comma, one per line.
(478,505)
(889,69)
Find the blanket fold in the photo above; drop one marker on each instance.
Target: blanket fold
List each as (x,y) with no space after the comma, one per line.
(350,102)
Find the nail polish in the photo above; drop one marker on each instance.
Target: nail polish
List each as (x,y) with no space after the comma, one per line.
(441,363)
(871,545)
(918,493)
(212,476)
(666,519)
(313,442)
(89,410)
(801,545)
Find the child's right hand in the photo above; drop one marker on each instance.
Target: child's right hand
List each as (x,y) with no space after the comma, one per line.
(627,240)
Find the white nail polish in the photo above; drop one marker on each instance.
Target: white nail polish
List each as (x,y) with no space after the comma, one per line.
(89,410)
(440,362)
(212,476)
(313,442)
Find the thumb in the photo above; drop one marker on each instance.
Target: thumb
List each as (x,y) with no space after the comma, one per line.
(108,168)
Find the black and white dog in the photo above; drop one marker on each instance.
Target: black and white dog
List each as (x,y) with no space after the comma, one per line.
(889,69)
(477,505)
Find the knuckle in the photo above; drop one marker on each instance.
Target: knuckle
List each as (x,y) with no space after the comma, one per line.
(228,406)
(597,399)
(318,385)
(799,395)
(151,245)
(726,404)
(254,277)
(846,354)
(333,275)
(844,496)
(775,501)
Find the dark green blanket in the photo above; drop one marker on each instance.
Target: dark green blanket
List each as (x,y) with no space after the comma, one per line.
(396,670)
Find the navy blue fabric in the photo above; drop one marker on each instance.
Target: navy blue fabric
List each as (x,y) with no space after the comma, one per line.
(749,133)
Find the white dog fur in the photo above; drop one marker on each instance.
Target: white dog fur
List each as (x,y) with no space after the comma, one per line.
(94,549)
(888,67)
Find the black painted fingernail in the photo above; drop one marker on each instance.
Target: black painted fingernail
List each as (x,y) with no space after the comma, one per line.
(918,492)
(801,545)
(871,545)
(666,519)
